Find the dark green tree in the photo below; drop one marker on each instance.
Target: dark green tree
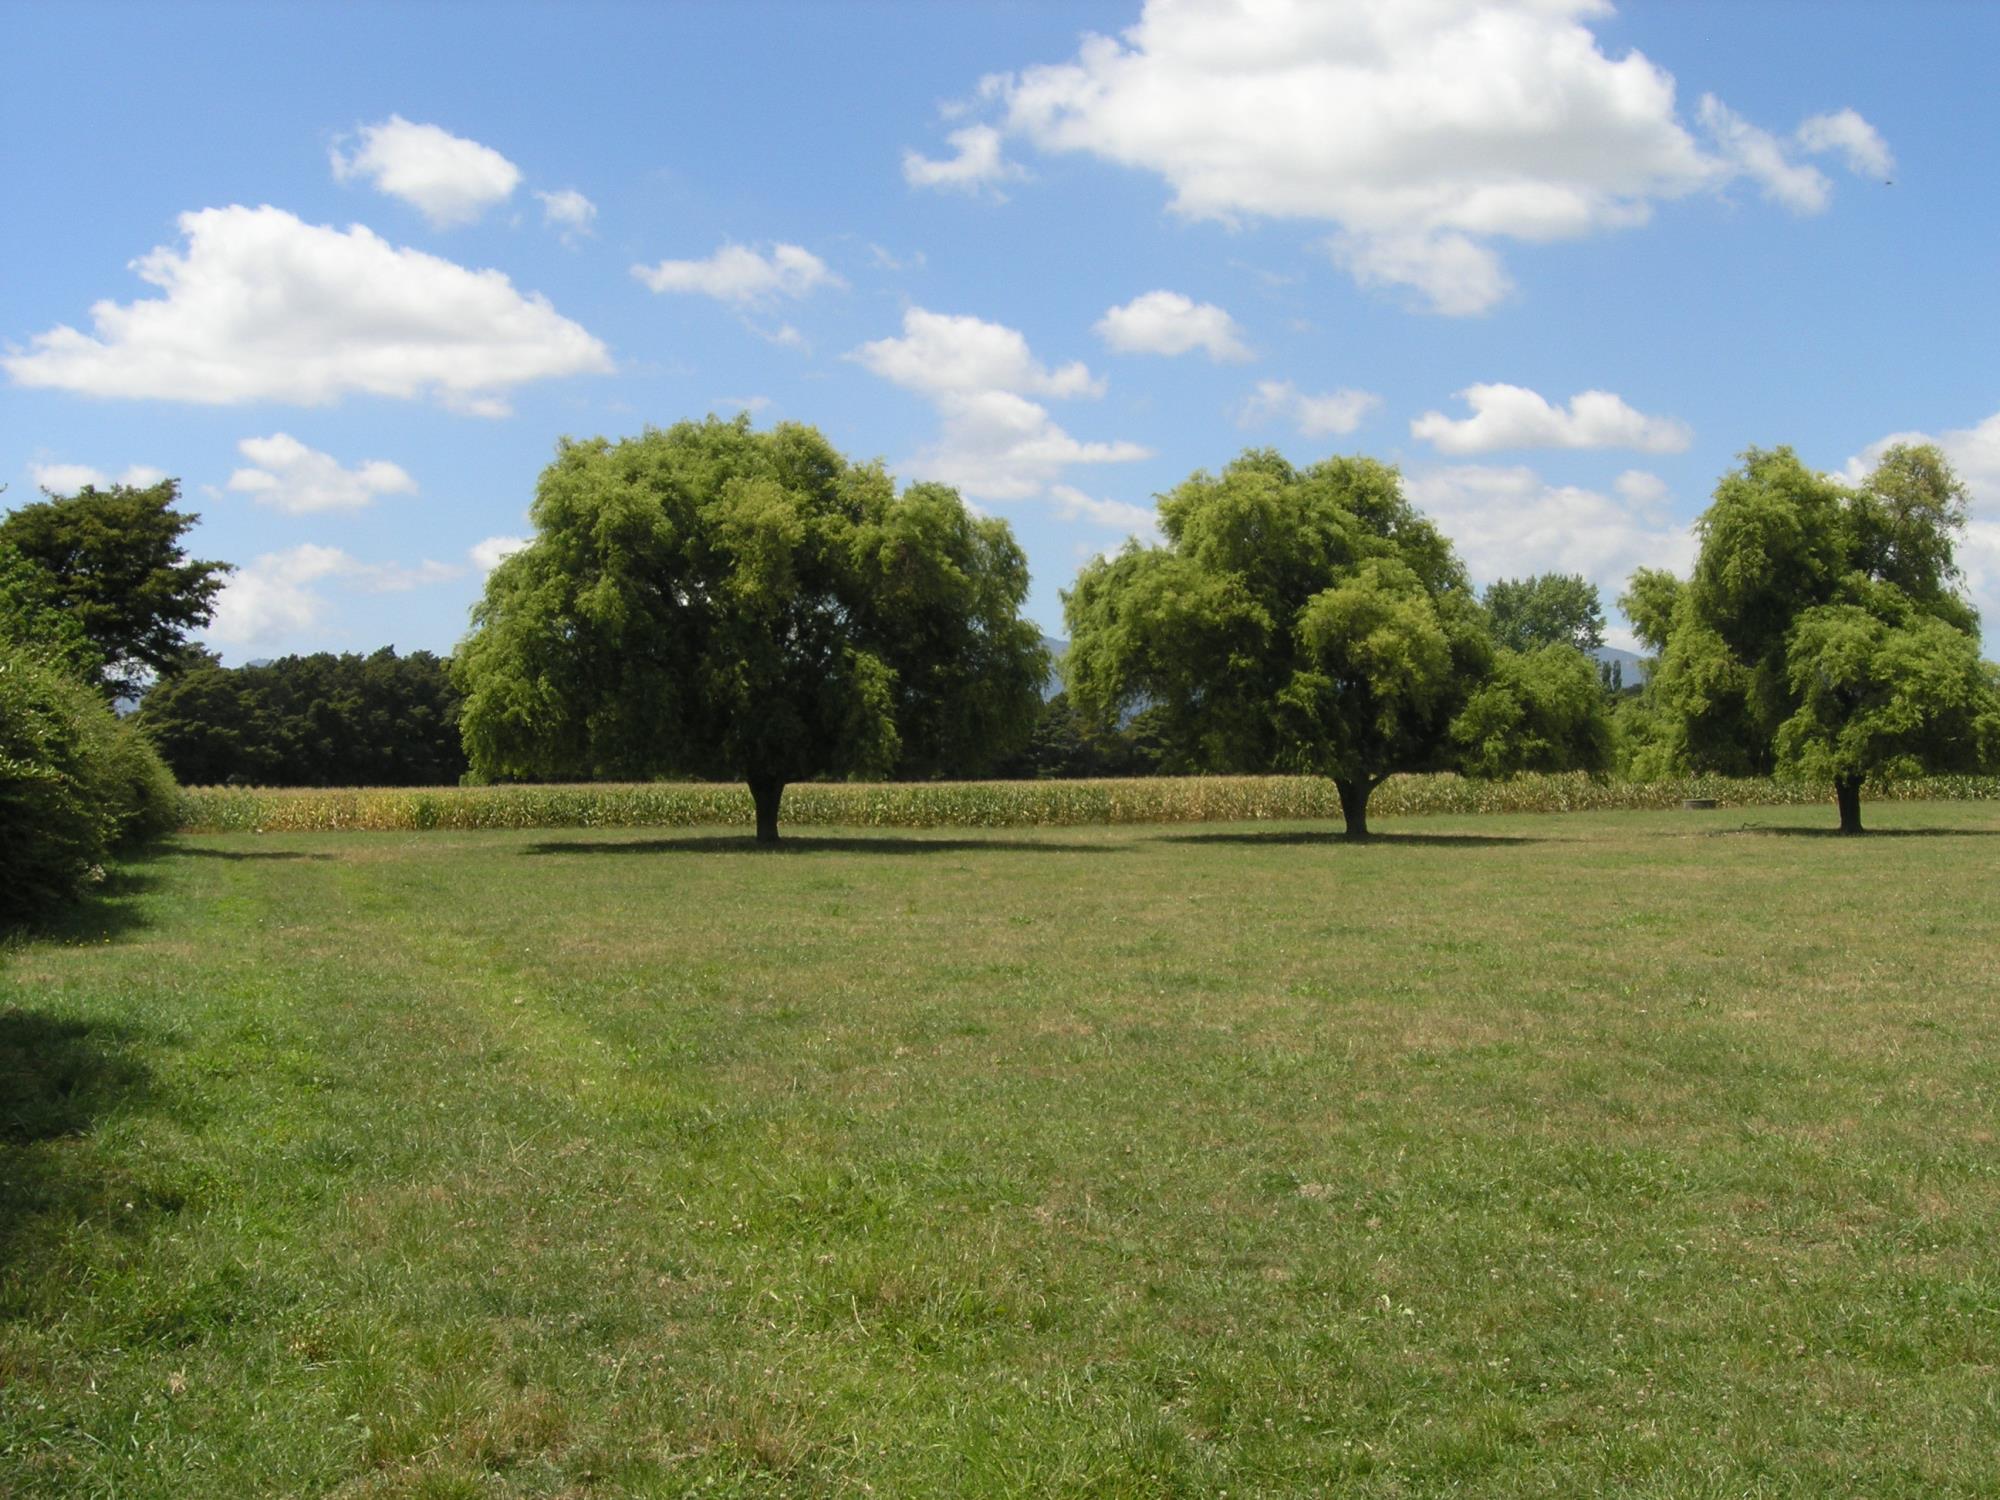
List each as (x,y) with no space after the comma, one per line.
(1541,710)
(319,720)
(1823,634)
(1305,620)
(714,601)
(114,560)
(32,616)
(1548,609)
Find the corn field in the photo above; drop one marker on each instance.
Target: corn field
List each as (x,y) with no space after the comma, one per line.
(983,804)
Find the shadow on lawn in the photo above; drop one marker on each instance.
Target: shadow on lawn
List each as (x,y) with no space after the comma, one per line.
(809,844)
(104,911)
(1334,839)
(58,1079)
(192,851)
(1779,830)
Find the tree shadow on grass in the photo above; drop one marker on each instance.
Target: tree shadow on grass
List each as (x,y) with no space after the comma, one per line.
(1780,830)
(811,844)
(105,910)
(1334,839)
(59,1078)
(195,851)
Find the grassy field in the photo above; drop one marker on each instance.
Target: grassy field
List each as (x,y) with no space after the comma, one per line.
(1643,1153)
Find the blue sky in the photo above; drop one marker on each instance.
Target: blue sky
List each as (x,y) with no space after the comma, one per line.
(349,272)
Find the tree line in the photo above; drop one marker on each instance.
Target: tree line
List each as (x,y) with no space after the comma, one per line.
(712,601)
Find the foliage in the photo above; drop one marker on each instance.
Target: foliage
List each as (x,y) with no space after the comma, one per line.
(1541,710)
(320,720)
(76,783)
(32,614)
(1304,620)
(1067,745)
(713,601)
(1547,609)
(115,561)
(1823,634)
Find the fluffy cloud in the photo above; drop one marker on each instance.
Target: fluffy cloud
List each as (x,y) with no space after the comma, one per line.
(298,480)
(1420,132)
(260,306)
(1338,411)
(739,274)
(1168,323)
(976,163)
(1511,416)
(488,554)
(445,177)
(569,213)
(995,443)
(1509,522)
(67,479)
(1856,141)
(940,352)
(277,597)
(1072,504)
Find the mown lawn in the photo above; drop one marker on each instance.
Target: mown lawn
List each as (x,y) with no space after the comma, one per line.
(1648,1154)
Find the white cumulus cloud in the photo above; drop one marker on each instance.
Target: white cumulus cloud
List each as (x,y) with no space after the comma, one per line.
(941,352)
(67,479)
(490,552)
(289,476)
(1845,133)
(739,274)
(259,306)
(1511,416)
(976,163)
(1168,323)
(568,212)
(278,597)
(1509,522)
(1323,415)
(1419,131)
(447,178)
(1072,504)
(995,442)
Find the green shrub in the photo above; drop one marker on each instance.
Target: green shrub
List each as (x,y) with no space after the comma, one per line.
(75,783)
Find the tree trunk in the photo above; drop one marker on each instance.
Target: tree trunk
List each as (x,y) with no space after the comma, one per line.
(1354,805)
(767,792)
(1847,792)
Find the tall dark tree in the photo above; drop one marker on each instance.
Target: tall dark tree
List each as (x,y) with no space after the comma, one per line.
(1823,634)
(115,561)
(714,601)
(319,720)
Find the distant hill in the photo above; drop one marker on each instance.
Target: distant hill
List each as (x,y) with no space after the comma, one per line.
(1057,650)
(1634,664)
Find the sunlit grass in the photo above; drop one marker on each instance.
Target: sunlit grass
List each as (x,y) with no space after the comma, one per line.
(1647,1153)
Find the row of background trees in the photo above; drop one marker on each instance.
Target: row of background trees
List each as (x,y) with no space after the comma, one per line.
(712,601)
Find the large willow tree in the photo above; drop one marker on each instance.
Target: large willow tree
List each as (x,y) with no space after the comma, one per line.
(1310,620)
(1824,633)
(718,602)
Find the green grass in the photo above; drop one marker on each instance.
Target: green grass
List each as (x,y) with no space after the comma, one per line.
(1646,1153)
